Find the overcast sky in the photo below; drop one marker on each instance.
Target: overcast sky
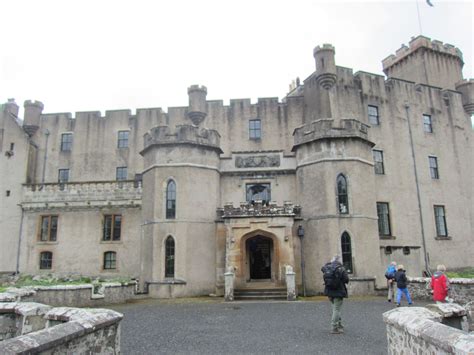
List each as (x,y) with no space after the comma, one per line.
(105,55)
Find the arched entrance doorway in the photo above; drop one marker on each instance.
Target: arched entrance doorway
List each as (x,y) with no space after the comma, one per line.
(259,251)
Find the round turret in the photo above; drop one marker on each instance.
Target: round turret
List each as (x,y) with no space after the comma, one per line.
(466,88)
(324,57)
(197,103)
(33,110)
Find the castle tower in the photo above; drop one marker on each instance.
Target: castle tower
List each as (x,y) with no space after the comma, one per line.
(426,62)
(197,110)
(33,110)
(324,57)
(177,205)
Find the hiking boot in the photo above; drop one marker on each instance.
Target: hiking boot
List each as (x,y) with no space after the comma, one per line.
(389,300)
(398,304)
(337,331)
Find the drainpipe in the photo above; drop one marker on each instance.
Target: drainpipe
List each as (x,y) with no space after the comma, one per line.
(17,270)
(427,267)
(46,132)
(300,232)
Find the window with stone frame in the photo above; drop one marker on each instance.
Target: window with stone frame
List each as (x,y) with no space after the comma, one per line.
(440,219)
(346,248)
(121,173)
(48,231)
(110,260)
(427,124)
(434,172)
(171,200)
(122,141)
(66,142)
(63,176)
(378,162)
(373,112)
(112,228)
(342,194)
(255,129)
(383,214)
(258,192)
(169,256)
(46,260)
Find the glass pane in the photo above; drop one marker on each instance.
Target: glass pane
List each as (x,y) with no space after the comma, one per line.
(44,228)
(54,228)
(107,227)
(169,257)
(117,227)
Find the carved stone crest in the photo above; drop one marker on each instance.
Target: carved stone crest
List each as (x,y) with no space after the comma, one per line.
(257,161)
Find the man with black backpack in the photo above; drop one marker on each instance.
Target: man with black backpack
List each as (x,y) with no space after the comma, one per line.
(335,280)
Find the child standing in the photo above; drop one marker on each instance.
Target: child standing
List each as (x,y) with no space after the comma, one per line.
(402,282)
(440,284)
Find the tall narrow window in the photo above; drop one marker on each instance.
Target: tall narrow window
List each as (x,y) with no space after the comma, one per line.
(112,227)
(66,142)
(255,129)
(440,217)
(169,257)
(373,115)
(342,194)
(383,214)
(123,139)
(46,260)
(49,228)
(434,167)
(171,200)
(63,176)
(110,260)
(346,252)
(378,162)
(121,173)
(427,124)
(256,192)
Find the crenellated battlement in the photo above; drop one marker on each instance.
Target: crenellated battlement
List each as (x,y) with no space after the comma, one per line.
(182,134)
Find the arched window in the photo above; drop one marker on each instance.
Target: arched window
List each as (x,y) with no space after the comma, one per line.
(346,252)
(169,257)
(110,260)
(342,194)
(46,260)
(171,200)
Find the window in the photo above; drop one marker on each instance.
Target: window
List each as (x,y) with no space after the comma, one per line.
(406,250)
(46,260)
(110,260)
(12,146)
(255,129)
(384,218)
(434,167)
(342,198)
(8,193)
(171,200)
(346,252)
(123,139)
(169,257)
(388,250)
(373,115)
(256,192)
(112,227)
(427,124)
(378,162)
(66,142)
(121,173)
(63,176)
(49,228)
(440,218)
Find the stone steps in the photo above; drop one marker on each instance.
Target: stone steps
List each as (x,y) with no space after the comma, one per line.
(255,294)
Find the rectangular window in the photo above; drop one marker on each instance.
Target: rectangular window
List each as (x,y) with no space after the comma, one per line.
(378,162)
(440,218)
(434,167)
(373,115)
(12,146)
(66,142)
(46,260)
(384,218)
(121,173)
(110,260)
(255,129)
(256,192)
(427,124)
(63,176)
(112,227)
(123,139)
(49,228)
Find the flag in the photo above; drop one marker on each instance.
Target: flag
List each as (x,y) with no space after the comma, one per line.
(429,3)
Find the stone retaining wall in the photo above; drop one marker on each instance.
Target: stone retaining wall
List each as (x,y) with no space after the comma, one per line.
(33,328)
(461,290)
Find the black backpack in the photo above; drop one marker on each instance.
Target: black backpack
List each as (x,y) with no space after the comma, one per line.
(332,276)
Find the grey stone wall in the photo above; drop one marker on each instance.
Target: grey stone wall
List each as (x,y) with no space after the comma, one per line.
(461,290)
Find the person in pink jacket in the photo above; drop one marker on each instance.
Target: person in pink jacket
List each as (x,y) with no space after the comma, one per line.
(440,284)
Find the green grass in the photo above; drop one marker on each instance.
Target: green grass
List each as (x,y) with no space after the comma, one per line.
(466,273)
(3,289)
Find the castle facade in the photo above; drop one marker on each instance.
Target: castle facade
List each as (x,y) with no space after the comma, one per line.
(375,169)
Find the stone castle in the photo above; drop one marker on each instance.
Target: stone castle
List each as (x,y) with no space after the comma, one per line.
(373,168)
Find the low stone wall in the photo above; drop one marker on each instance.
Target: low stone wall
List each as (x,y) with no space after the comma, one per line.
(86,295)
(416,330)
(33,328)
(461,290)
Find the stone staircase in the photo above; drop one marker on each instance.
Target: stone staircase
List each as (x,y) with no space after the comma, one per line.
(260,294)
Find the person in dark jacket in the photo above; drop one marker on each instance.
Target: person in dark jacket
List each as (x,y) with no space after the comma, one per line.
(402,283)
(336,293)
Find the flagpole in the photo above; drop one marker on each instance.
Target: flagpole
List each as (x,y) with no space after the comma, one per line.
(419,18)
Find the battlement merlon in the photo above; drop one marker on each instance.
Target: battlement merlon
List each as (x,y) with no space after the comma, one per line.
(328,128)
(418,43)
(182,135)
